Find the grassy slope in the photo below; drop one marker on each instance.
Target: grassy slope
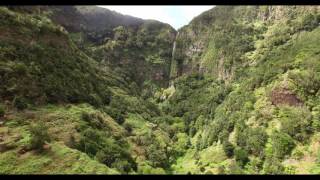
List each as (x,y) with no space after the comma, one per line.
(41,64)
(60,158)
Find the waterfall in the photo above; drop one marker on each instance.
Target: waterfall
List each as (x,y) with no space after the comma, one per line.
(173,65)
(174,47)
(173,50)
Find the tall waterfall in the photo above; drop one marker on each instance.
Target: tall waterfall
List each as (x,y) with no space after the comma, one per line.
(173,50)
(173,63)
(174,47)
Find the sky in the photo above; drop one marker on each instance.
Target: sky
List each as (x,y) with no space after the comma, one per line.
(176,16)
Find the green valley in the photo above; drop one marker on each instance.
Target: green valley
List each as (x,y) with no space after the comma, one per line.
(87,90)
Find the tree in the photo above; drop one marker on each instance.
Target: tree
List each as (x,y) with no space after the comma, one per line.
(297,122)
(120,33)
(282,144)
(228,148)
(106,150)
(20,103)
(254,166)
(116,114)
(273,166)
(256,141)
(128,127)
(192,131)
(241,156)
(157,156)
(122,165)
(90,142)
(198,142)
(309,22)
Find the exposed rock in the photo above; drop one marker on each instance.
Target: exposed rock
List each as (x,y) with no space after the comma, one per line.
(284,97)
(46,147)
(23,150)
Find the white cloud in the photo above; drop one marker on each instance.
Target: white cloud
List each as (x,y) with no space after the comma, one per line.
(176,16)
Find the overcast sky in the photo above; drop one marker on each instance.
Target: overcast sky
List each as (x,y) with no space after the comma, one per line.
(176,16)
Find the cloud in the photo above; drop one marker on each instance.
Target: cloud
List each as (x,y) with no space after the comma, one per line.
(176,16)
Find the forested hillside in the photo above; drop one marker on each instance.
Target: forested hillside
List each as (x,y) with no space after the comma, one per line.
(88,90)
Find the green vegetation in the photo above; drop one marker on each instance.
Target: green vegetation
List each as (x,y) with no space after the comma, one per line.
(2,111)
(20,103)
(39,136)
(267,68)
(79,95)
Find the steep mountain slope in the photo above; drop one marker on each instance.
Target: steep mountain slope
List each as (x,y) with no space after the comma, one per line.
(140,50)
(41,64)
(216,42)
(87,90)
(267,59)
(107,37)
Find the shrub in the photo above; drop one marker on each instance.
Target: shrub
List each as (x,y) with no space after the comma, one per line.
(109,154)
(94,100)
(220,170)
(95,120)
(88,142)
(106,97)
(256,141)
(228,148)
(234,168)
(20,69)
(192,131)
(241,156)
(71,142)
(116,114)
(198,142)
(39,136)
(273,166)
(124,166)
(202,169)
(318,157)
(2,111)
(296,122)
(85,116)
(309,22)
(157,156)
(117,157)
(282,144)
(106,150)
(20,103)
(254,166)
(128,127)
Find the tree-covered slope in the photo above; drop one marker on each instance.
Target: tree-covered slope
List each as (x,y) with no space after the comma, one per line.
(239,96)
(224,38)
(139,50)
(265,118)
(40,64)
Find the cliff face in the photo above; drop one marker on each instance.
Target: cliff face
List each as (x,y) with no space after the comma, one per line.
(140,50)
(247,85)
(219,41)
